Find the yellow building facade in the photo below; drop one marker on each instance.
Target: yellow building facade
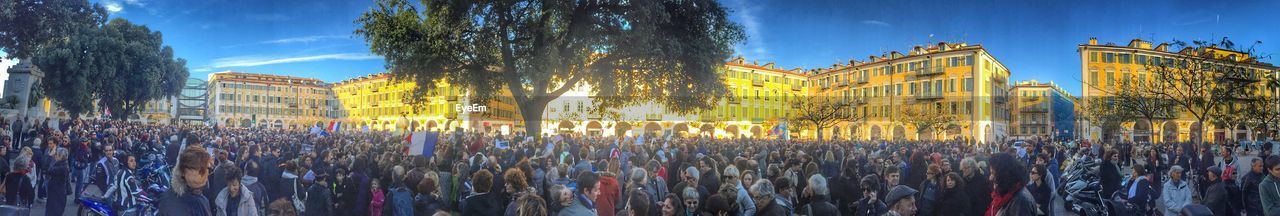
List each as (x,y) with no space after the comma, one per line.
(760,97)
(238,99)
(960,80)
(1105,66)
(378,103)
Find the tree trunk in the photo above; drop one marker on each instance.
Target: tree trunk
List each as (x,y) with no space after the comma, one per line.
(819,132)
(532,114)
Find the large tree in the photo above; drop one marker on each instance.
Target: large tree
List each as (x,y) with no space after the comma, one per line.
(119,64)
(1203,78)
(820,113)
(28,25)
(925,119)
(666,51)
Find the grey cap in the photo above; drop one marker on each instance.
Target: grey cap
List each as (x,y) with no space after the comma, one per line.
(897,193)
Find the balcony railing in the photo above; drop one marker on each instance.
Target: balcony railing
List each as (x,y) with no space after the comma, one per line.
(1034,110)
(999,99)
(928,96)
(796,87)
(930,71)
(863,81)
(1000,79)
(757,82)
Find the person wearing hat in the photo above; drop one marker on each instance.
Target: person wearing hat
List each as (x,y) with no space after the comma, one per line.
(870,205)
(902,201)
(318,196)
(1216,197)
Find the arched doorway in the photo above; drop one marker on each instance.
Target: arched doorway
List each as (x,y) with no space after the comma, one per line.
(1196,135)
(594,128)
(925,134)
(707,129)
(652,128)
(565,126)
(835,132)
(988,133)
(278,124)
(854,132)
(875,132)
(230,122)
(1241,132)
(953,132)
(415,125)
(899,133)
(1170,131)
(732,131)
(680,129)
(246,123)
(431,125)
(756,132)
(621,129)
(1142,131)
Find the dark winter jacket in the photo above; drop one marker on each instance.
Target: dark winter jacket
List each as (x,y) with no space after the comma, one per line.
(1023,204)
(483,204)
(820,206)
(954,202)
(319,201)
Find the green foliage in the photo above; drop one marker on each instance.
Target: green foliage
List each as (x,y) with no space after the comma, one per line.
(29,25)
(121,65)
(629,52)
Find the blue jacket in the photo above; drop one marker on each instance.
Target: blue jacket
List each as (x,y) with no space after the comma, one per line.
(1175,196)
(401,201)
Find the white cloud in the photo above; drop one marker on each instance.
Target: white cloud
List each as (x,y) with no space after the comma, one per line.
(139,3)
(113,6)
(746,12)
(253,60)
(306,39)
(876,23)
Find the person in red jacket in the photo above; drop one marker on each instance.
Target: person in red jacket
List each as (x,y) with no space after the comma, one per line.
(609,191)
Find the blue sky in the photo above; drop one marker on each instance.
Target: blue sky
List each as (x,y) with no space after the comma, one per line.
(1035,39)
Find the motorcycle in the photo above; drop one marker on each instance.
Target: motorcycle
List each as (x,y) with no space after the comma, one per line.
(1083,189)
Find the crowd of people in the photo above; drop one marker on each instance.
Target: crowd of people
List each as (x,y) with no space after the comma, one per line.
(246,172)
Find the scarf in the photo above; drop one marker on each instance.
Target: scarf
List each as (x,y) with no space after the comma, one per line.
(197,205)
(998,200)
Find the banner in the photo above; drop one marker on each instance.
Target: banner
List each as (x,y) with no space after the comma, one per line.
(501,144)
(423,143)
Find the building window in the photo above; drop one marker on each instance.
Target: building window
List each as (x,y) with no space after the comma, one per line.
(1093,56)
(1124,58)
(1093,76)
(968,84)
(968,61)
(1110,58)
(1111,77)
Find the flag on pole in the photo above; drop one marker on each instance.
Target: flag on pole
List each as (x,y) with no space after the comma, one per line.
(333,126)
(422,143)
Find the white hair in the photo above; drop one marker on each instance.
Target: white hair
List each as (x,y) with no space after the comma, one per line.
(819,185)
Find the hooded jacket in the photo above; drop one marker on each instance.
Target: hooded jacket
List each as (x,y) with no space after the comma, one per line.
(246,206)
(1269,189)
(259,191)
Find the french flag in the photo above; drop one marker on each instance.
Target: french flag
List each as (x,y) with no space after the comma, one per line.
(333,126)
(422,143)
